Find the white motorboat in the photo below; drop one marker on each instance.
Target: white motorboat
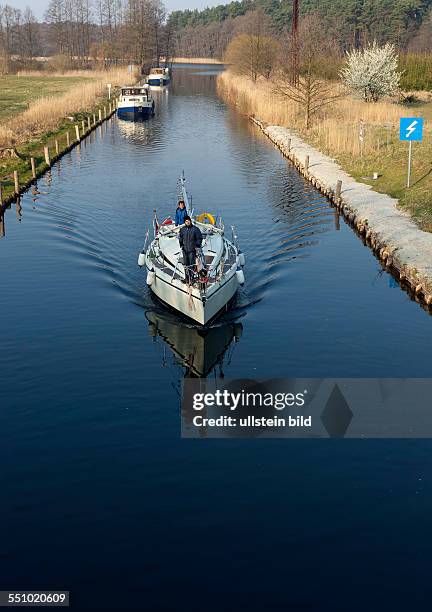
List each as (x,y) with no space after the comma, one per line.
(158,77)
(215,278)
(135,102)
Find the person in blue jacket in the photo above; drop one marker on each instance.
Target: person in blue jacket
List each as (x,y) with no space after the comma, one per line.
(190,239)
(181,213)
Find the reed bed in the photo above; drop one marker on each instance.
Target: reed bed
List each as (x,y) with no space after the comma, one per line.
(47,113)
(335,131)
(196,60)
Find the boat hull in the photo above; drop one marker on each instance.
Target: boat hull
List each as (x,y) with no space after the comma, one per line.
(135,112)
(156,83)
(191,304)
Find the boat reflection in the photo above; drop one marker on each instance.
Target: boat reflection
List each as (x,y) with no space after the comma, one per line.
(199,351)
(141,132)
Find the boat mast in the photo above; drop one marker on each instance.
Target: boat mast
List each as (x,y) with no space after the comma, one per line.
(184,193)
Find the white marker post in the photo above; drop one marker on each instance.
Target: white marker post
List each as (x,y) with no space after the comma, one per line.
(361,137)
(109,91)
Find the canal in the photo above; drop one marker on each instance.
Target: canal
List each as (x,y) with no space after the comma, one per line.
(99,494)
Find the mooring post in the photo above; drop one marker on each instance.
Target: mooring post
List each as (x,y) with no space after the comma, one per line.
(100,114)
(47,156)
(88,123)
(1,196)
(16,181)
(67,139)
(94,119)
(33,167)
(307,163)
(105,113)
(289,145)
(57,148)
(2,225)
(83,126)
(77,133)
(338,190)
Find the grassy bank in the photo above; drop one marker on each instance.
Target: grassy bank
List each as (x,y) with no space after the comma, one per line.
(48,118)
(18,92)
(336,133)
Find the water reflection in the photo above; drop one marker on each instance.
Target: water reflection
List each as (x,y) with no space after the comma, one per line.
(194,82)
(138,132)
(200,352)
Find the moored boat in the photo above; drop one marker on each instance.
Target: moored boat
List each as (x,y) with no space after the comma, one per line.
(205,291)
(158,77)
(135,102)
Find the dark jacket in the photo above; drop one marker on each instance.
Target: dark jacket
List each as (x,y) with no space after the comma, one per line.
(190,238)
(180,215)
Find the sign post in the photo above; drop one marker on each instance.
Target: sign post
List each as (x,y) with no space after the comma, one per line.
(411,130)
(362,137)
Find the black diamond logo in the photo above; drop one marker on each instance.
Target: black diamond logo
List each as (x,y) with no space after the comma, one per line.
(337,415)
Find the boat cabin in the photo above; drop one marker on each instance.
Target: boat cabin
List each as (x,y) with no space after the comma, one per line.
(128,92)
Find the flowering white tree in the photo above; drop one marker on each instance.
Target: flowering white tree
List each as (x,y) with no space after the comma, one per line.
(372,72)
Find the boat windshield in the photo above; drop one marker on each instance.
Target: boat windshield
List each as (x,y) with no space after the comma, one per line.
(134,91)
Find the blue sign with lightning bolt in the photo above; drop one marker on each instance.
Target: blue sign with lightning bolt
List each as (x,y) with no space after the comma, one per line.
(411,128)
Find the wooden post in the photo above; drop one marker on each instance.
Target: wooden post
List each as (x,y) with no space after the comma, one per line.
(1,195)
(289,145)
(47,156)
(16,181)
(57,147)
(67,139)
(105,113)
(338,190)
(33,167)
(94,119)
(100,114)
(88,123)
(83,126)
(77,133)
(2,225)
(307,163)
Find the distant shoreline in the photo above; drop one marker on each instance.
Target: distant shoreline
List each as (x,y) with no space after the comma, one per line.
(196,60)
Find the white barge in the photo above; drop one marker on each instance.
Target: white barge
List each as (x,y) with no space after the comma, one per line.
(158,78)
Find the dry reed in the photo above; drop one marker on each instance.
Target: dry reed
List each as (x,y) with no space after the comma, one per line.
(335,130)
(196,60)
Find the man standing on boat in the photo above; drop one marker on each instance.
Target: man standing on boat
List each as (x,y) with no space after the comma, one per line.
(190,239)
(181,213)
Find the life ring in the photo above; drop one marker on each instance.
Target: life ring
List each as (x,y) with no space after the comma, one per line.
(202,218)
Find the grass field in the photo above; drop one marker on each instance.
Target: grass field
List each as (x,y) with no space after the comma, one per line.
(38,109)
(336,133)
(17,92)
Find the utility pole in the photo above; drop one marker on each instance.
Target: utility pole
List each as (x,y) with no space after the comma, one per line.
(295,43)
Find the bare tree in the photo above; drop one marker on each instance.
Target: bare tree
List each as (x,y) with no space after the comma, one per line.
(30,33)
(56,16)
(311,91)
(254,50)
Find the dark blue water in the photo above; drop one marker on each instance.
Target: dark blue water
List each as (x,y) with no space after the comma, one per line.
(100,495)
